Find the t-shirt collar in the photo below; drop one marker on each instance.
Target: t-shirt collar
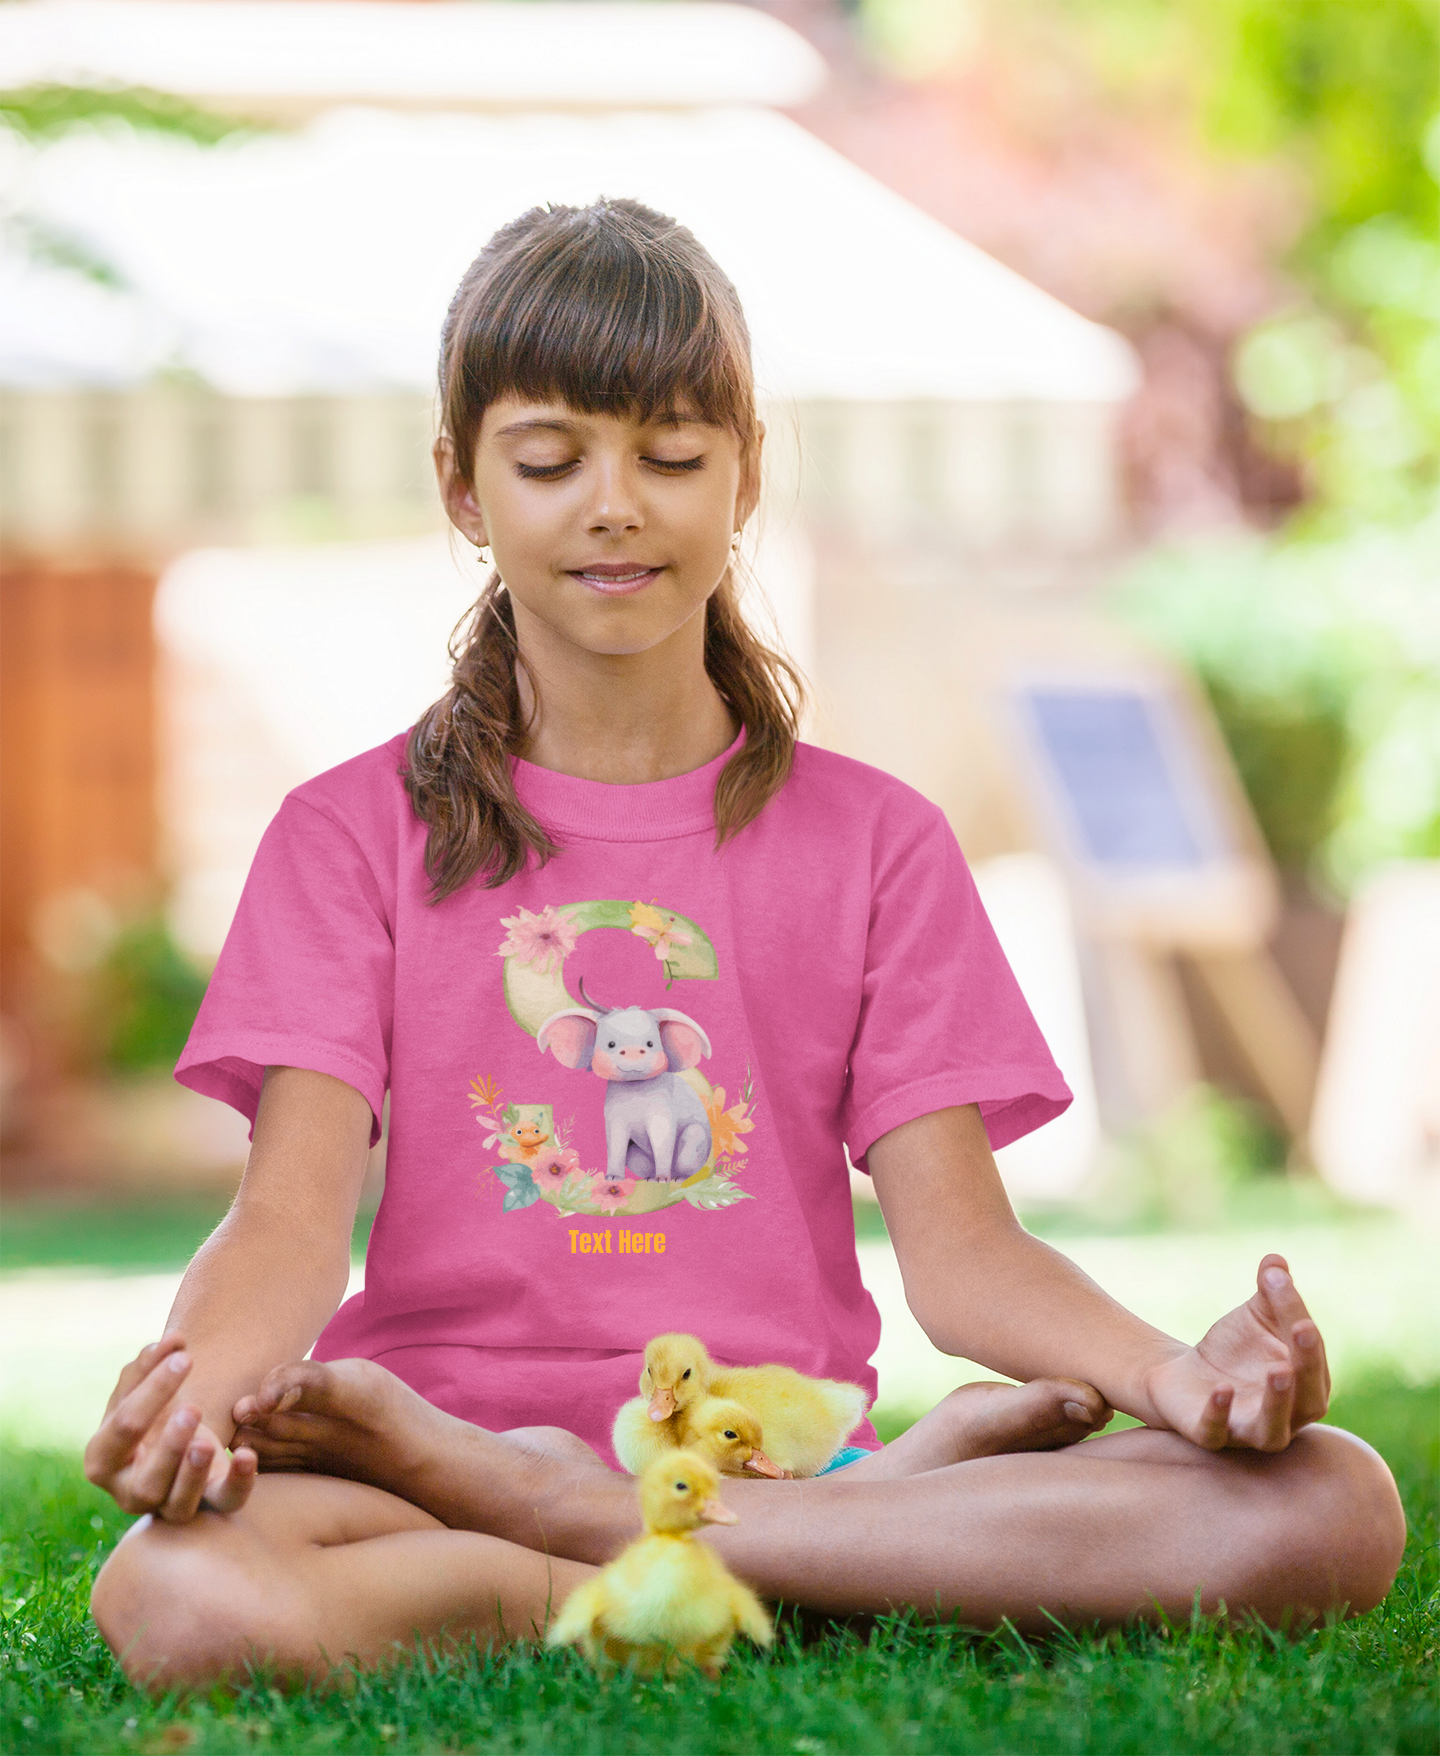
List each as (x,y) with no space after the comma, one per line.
(652,810)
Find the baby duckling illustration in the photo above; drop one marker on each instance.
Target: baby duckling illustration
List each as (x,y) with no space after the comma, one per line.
(805,1420)
(528,1137)
(727,1435)
(666,1600)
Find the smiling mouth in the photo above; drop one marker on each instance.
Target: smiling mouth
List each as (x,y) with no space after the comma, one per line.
(616,579)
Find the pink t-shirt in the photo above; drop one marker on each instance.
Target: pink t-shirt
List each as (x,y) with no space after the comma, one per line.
(571,1173)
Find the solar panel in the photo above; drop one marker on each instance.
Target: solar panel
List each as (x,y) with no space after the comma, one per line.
(1117,774)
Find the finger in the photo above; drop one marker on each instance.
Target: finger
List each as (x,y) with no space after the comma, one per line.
(152,1477)
(1213,1428)
(230,1492)
(1312,1373)
(1273,1422)
(1281,1295)
(115,1444)
(144,1362)
(183,1500)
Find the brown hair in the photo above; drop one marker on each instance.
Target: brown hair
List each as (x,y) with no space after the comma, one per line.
(616,309)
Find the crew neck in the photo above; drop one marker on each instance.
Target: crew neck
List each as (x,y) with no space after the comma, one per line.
(650,810)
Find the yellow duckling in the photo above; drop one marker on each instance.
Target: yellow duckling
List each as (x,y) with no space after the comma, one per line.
(727,1435)
(671,1380)
(805,1420)
(666,1599)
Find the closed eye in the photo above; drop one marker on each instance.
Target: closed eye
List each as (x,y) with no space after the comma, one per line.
(677,464)
(545,472)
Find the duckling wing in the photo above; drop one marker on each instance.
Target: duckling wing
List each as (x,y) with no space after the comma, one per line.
(579,1614)
(637,1439)
(751,1616)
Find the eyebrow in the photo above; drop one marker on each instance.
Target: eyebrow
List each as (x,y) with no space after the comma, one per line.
(555,424)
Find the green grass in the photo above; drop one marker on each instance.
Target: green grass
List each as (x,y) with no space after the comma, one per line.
(121,1237)
(1360,1686)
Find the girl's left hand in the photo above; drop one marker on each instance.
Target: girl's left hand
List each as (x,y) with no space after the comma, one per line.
(1256,1378)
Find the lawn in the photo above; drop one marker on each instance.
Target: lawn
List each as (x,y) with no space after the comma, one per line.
(1365,1685)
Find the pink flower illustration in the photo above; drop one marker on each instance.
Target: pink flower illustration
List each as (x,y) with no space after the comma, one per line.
(555,1170)
(610,1194)
(543,941)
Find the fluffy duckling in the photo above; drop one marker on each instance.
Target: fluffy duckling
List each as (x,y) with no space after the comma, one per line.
(666,1599)
(672,1379)
(727,1435)
(805,1420)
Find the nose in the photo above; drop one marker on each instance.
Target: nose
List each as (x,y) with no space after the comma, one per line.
(615,506)
(635,1053)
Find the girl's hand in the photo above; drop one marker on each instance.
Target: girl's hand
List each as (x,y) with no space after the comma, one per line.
(151,1456)
(1256,1378)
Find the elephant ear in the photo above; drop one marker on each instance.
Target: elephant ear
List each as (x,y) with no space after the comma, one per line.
(570,1036)
(685,1042)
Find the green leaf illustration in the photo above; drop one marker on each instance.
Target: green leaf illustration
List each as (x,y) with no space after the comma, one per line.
(715,1192)
(522,1195)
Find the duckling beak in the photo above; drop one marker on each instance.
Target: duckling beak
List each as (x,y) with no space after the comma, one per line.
(662,1405)
(713,1511)
(761,1464)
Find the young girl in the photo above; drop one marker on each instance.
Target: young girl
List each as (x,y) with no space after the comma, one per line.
(635,967)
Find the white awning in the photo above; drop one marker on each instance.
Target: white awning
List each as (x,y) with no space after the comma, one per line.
(324,260)
(293,57)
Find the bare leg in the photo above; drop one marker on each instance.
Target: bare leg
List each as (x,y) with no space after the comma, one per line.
(1099,1531)
(355,1419)
(310,1573)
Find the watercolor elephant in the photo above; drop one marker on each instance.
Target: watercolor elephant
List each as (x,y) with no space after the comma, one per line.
(655,1124)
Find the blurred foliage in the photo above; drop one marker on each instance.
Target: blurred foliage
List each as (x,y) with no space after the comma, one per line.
(1322,659)
(144,996)
(1343,374)
(42,112)
(1184,1170)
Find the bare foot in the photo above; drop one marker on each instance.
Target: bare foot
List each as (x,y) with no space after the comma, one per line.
(984,1420)
(355,1419)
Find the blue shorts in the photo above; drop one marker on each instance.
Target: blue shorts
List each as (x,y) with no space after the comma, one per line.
(847,1454)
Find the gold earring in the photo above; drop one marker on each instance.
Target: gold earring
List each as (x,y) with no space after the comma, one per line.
(485,558)
(735,542)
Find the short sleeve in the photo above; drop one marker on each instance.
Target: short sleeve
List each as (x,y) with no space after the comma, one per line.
(307,972)
(942,1019)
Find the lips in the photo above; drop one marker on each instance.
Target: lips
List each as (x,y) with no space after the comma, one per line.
(614,579)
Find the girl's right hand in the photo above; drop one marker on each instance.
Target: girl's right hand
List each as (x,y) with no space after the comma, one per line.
(151,1455)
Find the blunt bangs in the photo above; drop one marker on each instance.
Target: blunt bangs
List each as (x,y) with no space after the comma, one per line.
(611,309)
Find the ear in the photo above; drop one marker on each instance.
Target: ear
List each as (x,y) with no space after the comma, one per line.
(685,1042)
(570,1036)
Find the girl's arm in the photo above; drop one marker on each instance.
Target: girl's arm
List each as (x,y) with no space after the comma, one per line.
(980,1285)
(258,1292)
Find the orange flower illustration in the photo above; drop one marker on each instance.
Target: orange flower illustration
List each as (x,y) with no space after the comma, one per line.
(726,1126)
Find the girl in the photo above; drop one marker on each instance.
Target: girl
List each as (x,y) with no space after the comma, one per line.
(633,964)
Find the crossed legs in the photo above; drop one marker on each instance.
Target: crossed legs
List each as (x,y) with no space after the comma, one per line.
(456,1531)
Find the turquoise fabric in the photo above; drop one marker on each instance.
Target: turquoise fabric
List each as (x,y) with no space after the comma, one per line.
(847,1454)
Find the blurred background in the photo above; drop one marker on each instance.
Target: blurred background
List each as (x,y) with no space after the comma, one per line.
(1099,351)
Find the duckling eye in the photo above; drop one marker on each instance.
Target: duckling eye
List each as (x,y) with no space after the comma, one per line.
(730,1433)
(682,1487)
(685,1374)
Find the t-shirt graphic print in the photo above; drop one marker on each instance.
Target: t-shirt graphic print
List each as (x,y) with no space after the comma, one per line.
(669,1133)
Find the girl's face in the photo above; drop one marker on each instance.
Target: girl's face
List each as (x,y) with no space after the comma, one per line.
(609,530)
